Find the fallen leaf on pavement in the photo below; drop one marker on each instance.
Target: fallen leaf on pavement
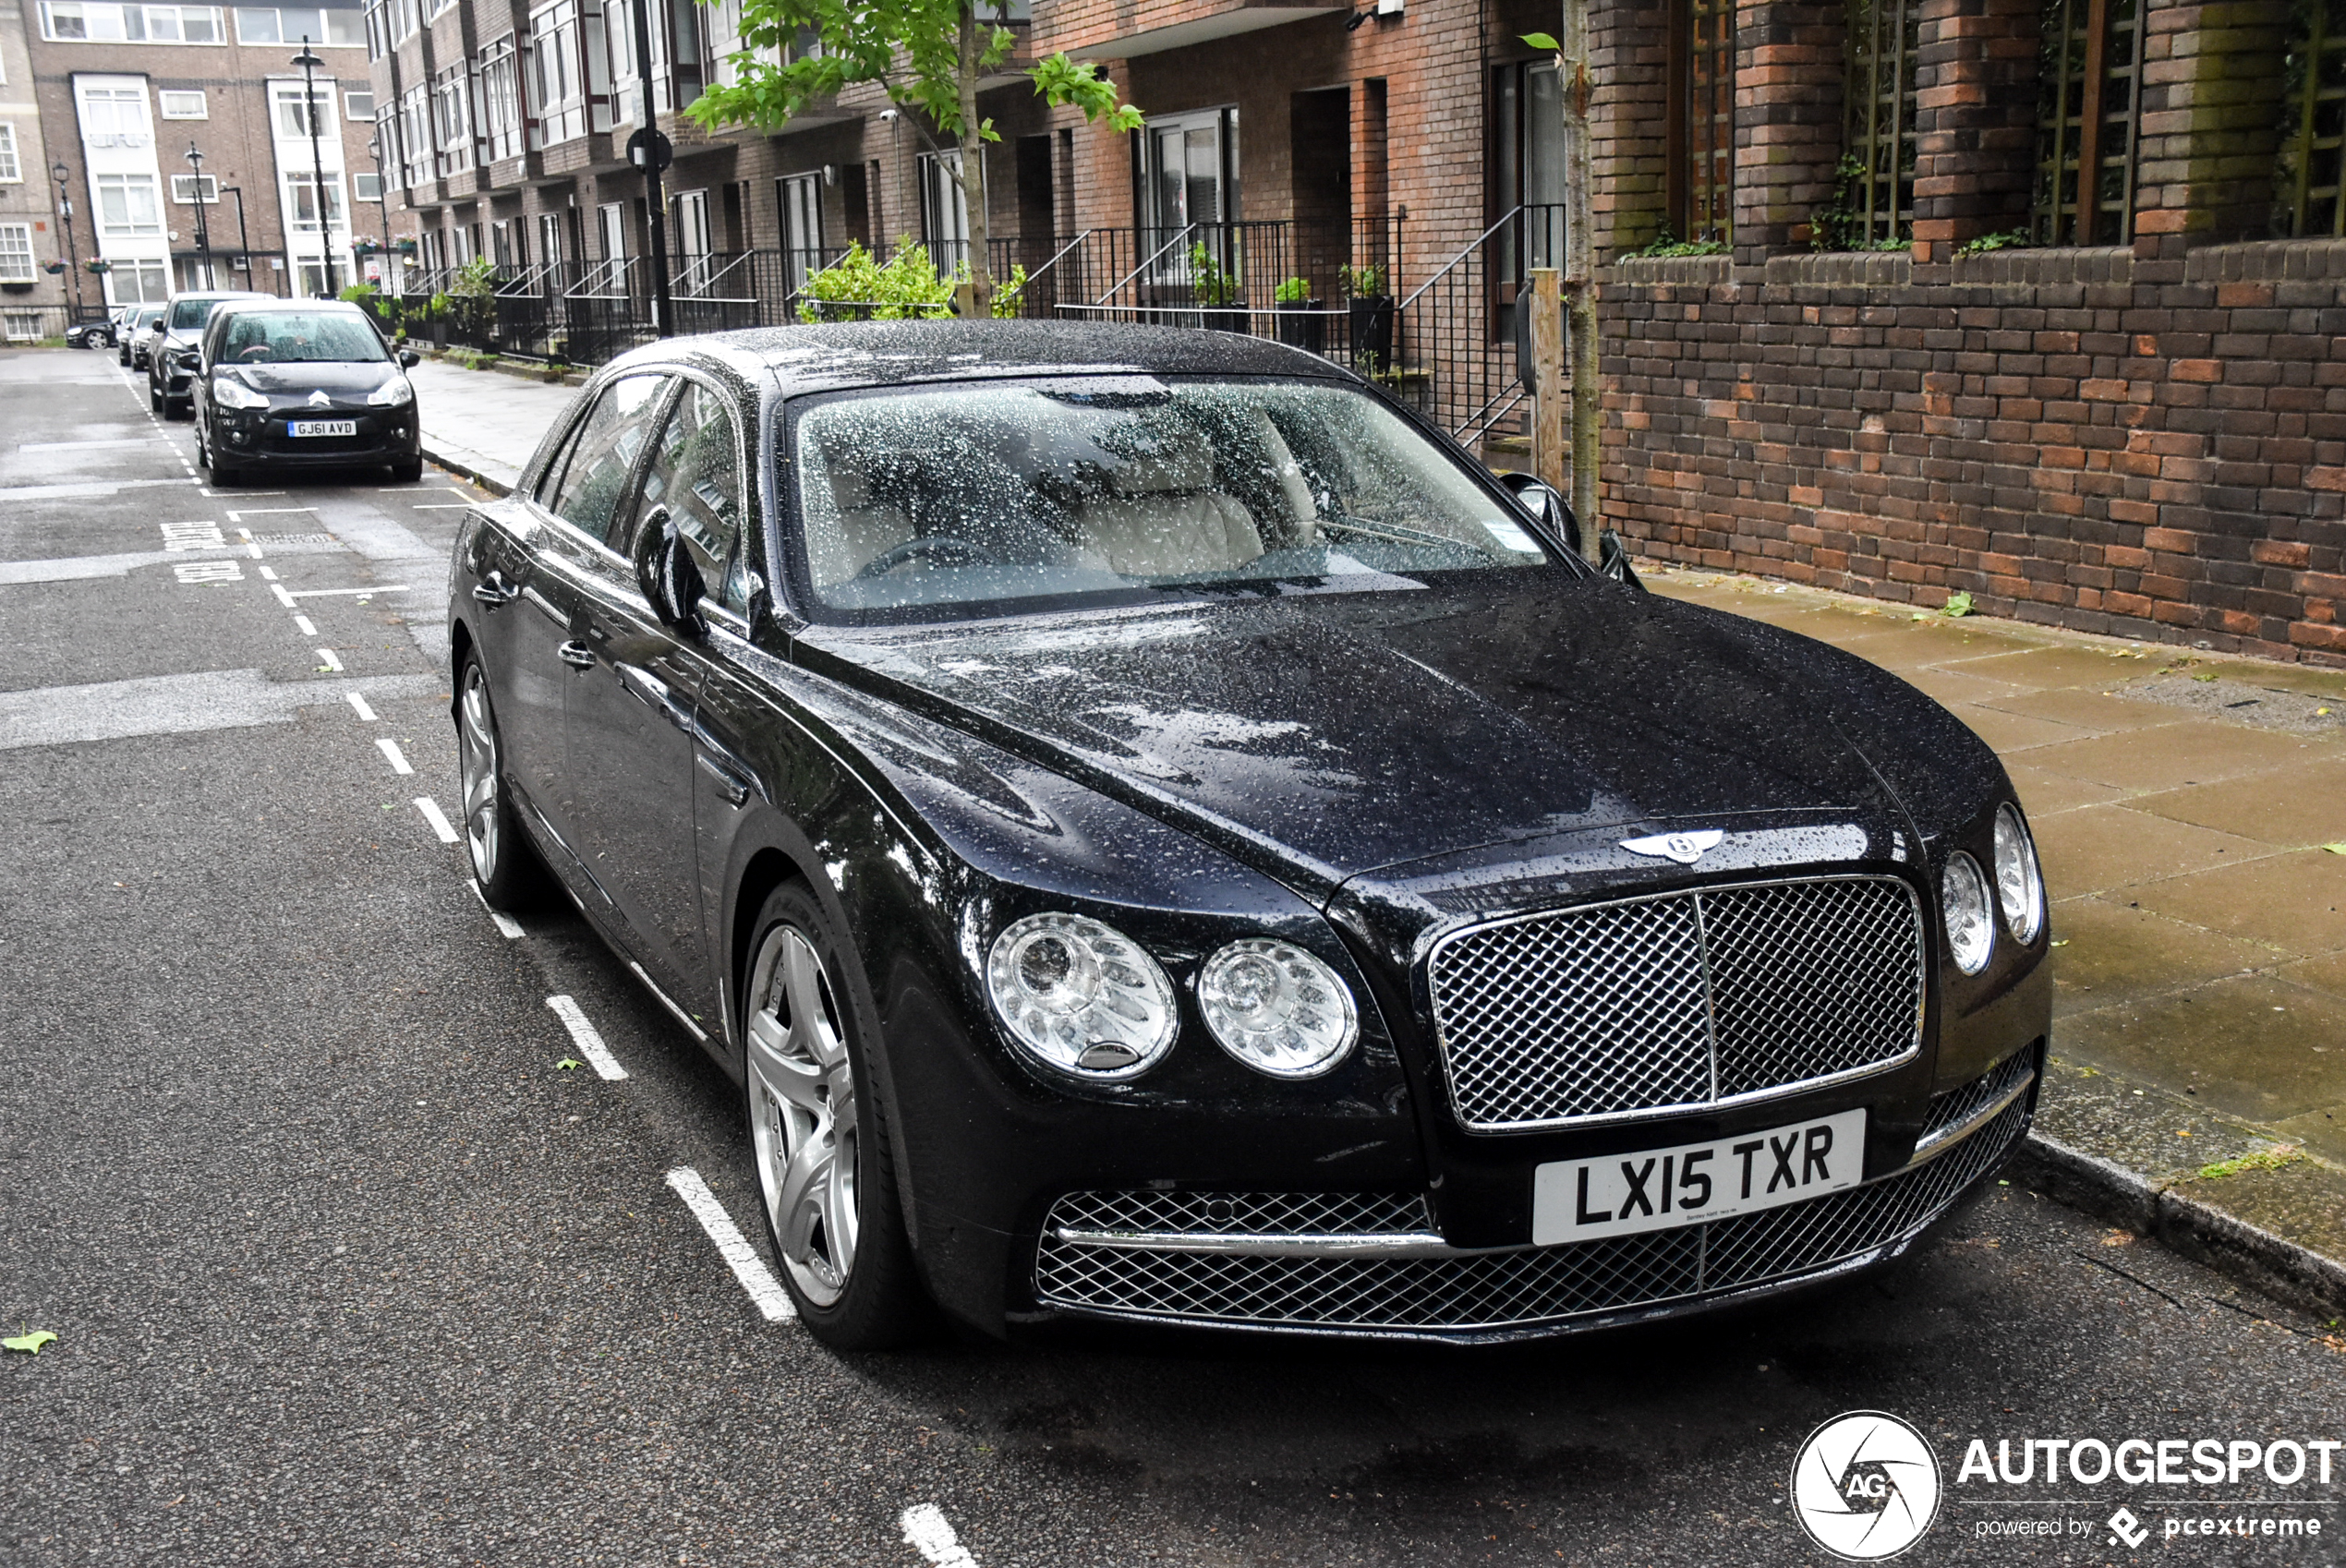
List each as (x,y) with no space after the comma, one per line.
(29,1343)
(567,1063)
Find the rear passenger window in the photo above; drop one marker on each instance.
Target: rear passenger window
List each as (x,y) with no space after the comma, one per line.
(589,481)
(696,476)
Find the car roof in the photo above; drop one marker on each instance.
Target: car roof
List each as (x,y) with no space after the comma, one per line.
(243,305)
(867,353)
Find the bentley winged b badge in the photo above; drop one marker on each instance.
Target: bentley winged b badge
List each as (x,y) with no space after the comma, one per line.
(1684,848)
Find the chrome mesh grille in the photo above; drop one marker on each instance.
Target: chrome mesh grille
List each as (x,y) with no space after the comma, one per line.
(1487,1290)
(1665,1004)
(1244,1214)
(1959,1105)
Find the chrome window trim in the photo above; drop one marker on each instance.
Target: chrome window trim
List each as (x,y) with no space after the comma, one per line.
(1440,943)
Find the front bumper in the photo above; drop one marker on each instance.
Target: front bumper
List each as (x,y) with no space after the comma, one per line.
(263,438)
(1374,1265)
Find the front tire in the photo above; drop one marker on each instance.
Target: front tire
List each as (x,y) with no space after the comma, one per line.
(407,472)
(208,452)
(825,1170)
(505,868)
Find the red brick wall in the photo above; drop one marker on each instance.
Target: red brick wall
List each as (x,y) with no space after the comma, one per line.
(2154,449)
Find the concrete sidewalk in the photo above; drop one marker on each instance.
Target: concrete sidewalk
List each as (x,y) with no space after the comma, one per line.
(2192,814)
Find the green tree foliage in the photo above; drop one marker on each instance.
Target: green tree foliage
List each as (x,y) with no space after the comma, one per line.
(928,55)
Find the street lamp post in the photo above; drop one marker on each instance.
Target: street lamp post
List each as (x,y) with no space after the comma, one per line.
(308,62)
(382,198)
(65,210)
(244,240)
(203,230)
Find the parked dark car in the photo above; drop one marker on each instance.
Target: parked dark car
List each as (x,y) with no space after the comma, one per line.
(170,346)
(100,333)
(131,334)
(1161,837)
(292,383)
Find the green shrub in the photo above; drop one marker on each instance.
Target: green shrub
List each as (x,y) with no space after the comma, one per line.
(1294,291)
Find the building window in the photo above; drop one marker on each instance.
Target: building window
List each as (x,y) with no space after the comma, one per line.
(1702,119)
(2089,115)
(569,73)
(18,326)
(802,204)
(303,188)
(550,240)
(501,107)
(113,116)
(183,189)
(2312,184)
(1877,187)
(274,25)
(127,205)
(138,283)
(15,254)
(415,135)
(378,30)
(357,105)
(183,105)
(945,212)
(407,17)
(1189,172)
(295,122)
(365,188)
(1527,156)
(11,170)
(451,116)
(92,22)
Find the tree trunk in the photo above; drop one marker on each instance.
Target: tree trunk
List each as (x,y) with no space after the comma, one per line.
(1580,278)
(972,179)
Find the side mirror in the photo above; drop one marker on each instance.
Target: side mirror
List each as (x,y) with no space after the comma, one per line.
(1543,502)
(1612,560)
(664,570)
(409,358)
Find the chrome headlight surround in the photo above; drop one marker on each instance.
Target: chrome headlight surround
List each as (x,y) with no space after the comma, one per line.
(2020,881)
(230,392)
(1968,911)
(1276,1008)
(1081,997)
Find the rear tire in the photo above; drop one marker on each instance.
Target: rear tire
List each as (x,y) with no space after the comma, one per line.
(154,397)
(826,1164)
(505,866)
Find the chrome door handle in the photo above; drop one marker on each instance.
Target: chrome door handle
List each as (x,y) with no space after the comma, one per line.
(578,654)
(735,789)
(495,590)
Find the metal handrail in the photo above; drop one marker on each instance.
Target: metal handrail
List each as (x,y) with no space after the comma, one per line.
(1144,266)
(1442,271)
(1034,275)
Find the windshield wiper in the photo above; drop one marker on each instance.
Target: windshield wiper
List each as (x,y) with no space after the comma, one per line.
(1399,533)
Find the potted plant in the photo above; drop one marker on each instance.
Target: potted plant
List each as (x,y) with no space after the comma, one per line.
(53,268)
(99,265)
(1215,289)
(1371,310)
(1300,322)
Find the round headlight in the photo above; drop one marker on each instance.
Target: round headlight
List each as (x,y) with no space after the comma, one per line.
(1971,924)
(2020,885)
(1081,995)
(1276,1008)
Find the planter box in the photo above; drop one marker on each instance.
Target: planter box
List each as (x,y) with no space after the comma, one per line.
(1300,325)
(1372,332)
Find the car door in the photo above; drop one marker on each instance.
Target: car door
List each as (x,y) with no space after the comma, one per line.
(585,491)
(629,720)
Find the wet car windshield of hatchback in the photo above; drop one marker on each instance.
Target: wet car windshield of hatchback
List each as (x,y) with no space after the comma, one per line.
(296,337)
(186,314)
(982,498)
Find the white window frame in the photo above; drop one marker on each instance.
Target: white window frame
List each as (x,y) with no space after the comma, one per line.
(297,181)
(183,187)
(149,19)
(20,326)
(103,113)
(319,120)
(350,100)
(360,183)
(15,242)
(11,166)
(127,185)
(163,109)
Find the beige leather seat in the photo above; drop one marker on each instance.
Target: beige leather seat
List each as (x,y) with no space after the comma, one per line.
(860,530)
(1163,516)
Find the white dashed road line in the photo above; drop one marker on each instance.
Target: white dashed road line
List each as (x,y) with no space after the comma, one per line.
(304,625)
(928,1532)
(438,820)
(590,1044)
(356,701)
(393,755)
(747,1266)
(283,598)
(506,924)
(330,660)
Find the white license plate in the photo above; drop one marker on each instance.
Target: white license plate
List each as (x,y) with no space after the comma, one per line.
(322,427)
(1657,1188)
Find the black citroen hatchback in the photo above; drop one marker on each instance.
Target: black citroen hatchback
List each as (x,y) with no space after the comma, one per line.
(286,384)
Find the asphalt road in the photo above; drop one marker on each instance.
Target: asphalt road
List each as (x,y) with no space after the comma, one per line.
(343,1268)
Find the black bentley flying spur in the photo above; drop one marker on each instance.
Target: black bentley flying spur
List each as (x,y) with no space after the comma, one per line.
(1162,837)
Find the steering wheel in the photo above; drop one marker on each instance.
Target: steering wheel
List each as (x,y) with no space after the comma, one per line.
(946,550)
(257,353)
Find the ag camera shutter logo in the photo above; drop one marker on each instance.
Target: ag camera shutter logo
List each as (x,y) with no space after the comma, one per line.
(1864,1486)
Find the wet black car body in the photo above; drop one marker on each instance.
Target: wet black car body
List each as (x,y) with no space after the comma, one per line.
(292,384)
(171,346)
(132,335)
(1605,877)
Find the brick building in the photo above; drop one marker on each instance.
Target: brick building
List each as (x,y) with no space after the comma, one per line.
(33,301)
(126,91)
(2129,418)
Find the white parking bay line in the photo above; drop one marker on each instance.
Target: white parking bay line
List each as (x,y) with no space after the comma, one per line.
(590,1044)
(747,1266)
(306,626)
(506,924)
(928,1532)
(283,598)
(332,593)
(397,758)
(332,660)
(439,819)
(356,701)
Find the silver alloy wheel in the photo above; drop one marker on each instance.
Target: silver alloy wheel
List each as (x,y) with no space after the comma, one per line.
(803,1116)
(477,747)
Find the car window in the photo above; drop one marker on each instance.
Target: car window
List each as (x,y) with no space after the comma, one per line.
(188,314)
(696,473)
(986,495)
(594,472)
(296,337)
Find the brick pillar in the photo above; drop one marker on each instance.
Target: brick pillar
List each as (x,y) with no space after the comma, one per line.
(1629,62)
(1789,62)
(1976,121)
(2210,131)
